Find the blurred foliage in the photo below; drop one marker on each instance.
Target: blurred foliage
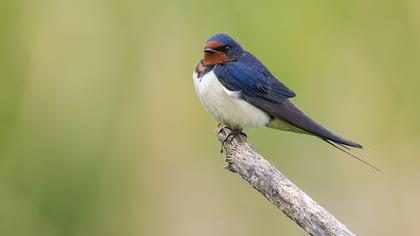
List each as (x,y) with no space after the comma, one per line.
(101,132)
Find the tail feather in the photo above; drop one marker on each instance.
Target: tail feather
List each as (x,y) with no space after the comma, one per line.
(301,123)
(286,116)
(291,114)
(352,155)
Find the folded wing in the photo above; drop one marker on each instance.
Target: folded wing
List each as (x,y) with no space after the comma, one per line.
(260,88)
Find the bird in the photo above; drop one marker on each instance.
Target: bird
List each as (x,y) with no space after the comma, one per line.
(240,92)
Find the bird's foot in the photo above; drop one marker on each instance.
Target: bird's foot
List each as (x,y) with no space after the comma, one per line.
(233,133)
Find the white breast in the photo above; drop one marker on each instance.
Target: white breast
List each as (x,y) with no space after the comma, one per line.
(226,106)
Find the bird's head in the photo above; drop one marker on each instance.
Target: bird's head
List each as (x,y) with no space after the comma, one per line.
(221,48)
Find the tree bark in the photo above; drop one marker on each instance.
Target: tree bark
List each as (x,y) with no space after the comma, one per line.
(243,159)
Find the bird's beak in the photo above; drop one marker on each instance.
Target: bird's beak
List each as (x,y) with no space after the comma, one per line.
(209,50)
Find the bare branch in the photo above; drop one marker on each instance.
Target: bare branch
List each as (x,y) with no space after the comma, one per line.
(243,159)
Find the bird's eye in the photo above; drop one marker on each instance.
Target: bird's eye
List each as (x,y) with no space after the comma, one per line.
(227,48)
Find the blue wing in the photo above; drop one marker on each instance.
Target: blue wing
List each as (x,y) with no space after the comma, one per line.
(260,88)
(252,78)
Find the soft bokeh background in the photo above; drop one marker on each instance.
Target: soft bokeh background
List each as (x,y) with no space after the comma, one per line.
(101,132)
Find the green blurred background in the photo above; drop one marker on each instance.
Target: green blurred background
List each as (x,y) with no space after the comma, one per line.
(101,132)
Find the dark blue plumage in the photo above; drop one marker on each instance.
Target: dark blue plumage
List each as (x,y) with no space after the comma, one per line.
(260,88)
(238,70)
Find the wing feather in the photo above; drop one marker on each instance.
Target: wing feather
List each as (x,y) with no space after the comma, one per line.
(260,88)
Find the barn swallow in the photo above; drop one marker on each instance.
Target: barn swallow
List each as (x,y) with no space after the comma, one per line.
(240,92)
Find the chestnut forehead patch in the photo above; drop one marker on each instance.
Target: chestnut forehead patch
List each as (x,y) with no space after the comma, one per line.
(213,44)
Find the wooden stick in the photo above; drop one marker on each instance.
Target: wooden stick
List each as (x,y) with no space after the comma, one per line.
(243,159)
